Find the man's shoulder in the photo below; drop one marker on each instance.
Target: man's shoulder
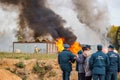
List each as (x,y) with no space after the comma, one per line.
(96,53)
(65,52)
(116,54)
(93,55)
(99,53)
(112,52)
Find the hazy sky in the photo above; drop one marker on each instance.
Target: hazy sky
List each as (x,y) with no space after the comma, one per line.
(9,19)
(114,9)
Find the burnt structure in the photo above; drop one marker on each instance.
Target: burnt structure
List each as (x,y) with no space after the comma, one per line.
(29,47)
(41,21)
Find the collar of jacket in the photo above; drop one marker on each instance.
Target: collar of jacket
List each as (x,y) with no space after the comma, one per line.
(80,52)
(65,50)
(99,51)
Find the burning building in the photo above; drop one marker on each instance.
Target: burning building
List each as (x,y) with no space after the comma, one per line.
(36,21)
(30,47)
(38,18)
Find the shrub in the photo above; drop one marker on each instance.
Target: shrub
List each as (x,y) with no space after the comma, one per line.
(7,68)
(24,78)
(51,74)
(48,67)
(14,71)
(20,65)
(38,69)
(41,69)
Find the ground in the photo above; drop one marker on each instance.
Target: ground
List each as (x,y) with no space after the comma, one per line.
(31,67)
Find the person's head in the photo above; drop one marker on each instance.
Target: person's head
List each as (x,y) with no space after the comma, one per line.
(66,46)
(88,47)
(105,50)
(99,47)
(110,48)
(84,48)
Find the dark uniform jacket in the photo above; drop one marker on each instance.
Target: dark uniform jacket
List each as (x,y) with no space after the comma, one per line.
(98,63)
(114,62)
(65,60)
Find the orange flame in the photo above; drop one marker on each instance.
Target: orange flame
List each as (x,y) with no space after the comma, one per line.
(75,48)
(59,44)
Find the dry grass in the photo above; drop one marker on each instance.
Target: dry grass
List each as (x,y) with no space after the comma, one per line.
(27,56)
(43,58)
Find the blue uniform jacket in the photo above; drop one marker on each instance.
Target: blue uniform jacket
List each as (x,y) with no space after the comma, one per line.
(98,63)
(114,62)
(65,60)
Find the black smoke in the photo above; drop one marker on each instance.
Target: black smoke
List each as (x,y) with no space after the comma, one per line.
(42,20)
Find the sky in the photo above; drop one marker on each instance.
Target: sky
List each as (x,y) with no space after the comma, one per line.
(113,6)
(60,7)
(114,10)
(9,19)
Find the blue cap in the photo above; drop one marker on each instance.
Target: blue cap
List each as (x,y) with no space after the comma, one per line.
(66,45)
(99,47)
(111,46)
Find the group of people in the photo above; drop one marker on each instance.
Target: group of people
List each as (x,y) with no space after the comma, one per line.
(96,66)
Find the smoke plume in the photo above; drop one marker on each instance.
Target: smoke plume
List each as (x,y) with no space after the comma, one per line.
(40,20)
(44,21)
(8,26)
(94,14)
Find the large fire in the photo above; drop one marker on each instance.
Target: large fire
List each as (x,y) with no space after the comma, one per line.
(74,48)
(59,44)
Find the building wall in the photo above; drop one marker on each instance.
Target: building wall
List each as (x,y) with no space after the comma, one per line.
(30,47)
(51,48)
(45,47)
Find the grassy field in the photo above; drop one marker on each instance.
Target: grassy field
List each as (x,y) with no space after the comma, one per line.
(27,56)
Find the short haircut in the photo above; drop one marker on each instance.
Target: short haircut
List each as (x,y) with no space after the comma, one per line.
(99,47)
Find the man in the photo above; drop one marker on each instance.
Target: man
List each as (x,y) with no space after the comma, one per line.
(98,63)
(65,60)
(114,66)
(36,50)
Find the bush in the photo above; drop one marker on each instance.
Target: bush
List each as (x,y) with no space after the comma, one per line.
(41,69)
(48,67)
(52,74)
(7,68)
(24,78)
(14,71)
(20,65)
(38,69)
